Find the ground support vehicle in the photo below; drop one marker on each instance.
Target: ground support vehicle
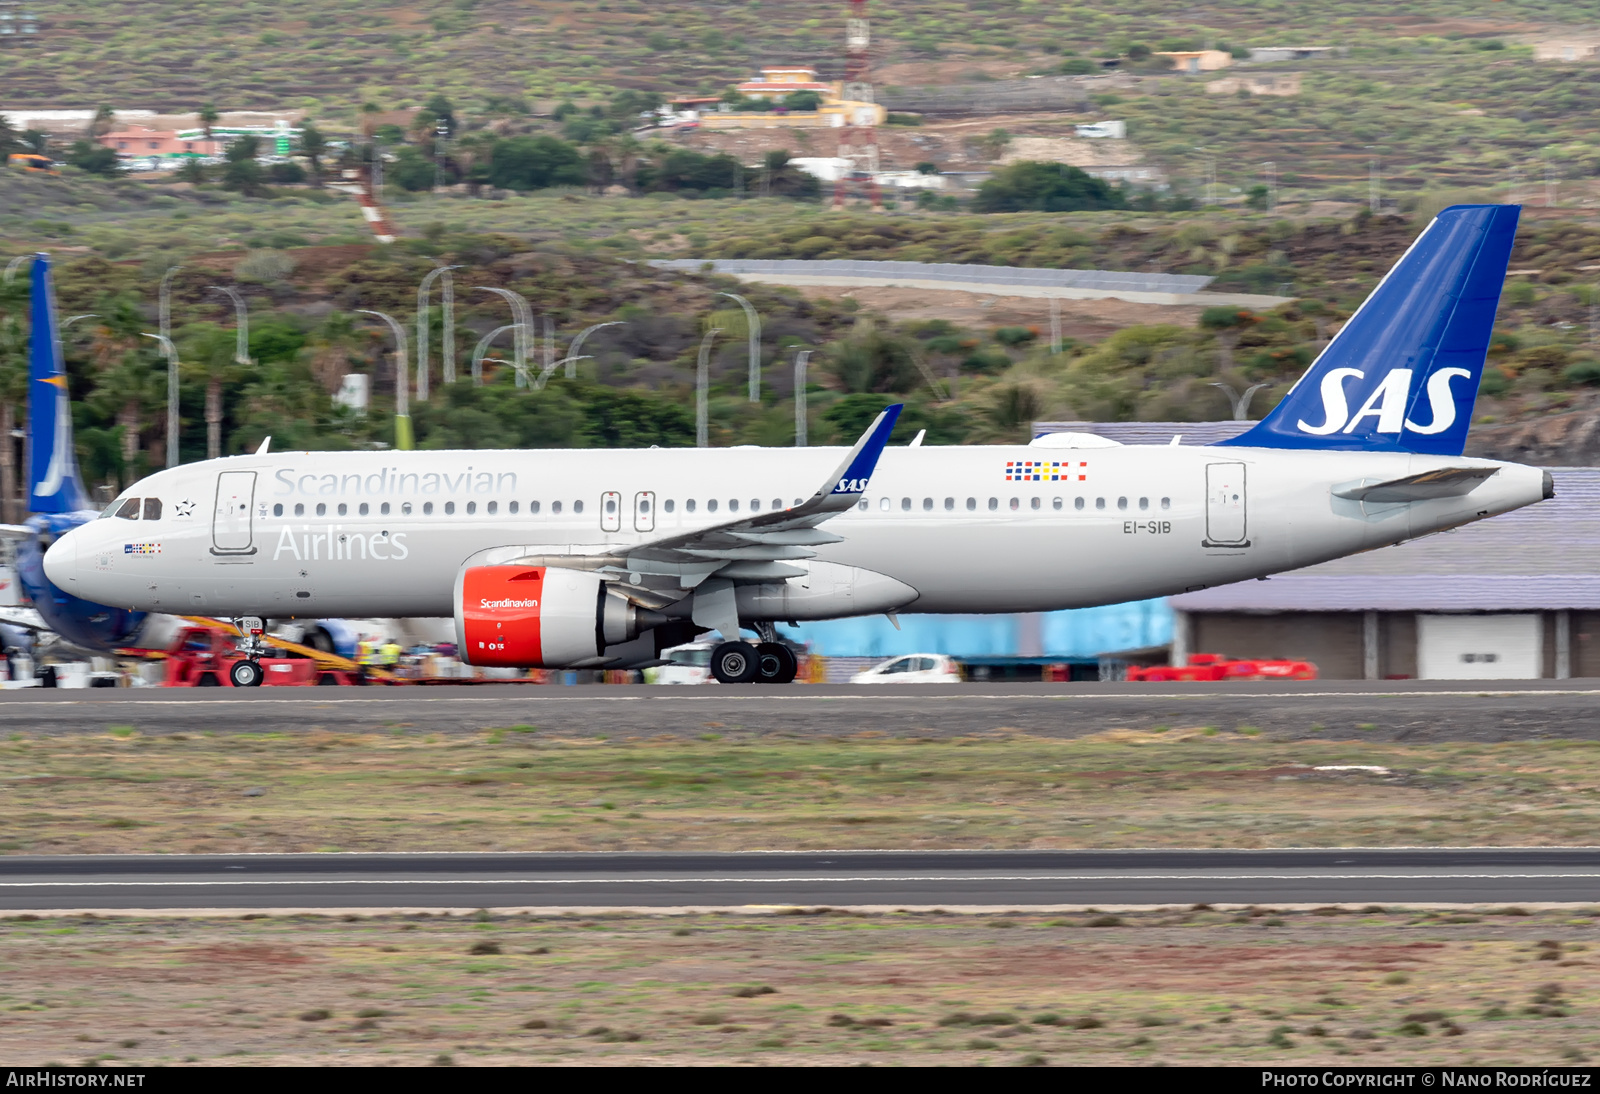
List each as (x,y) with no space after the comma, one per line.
(1212,666)
(209,657)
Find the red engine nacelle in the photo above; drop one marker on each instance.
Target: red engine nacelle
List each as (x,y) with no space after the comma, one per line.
(541,616)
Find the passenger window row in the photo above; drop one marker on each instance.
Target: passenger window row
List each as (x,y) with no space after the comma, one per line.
(492,508)
(886,505)
(690,505)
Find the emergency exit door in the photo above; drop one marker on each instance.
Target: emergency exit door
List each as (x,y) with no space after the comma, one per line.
(230,520)
(644,511)
(611,511)
(1226,502)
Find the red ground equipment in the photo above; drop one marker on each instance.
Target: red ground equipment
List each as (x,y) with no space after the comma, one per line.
(1213,666)
(200,657)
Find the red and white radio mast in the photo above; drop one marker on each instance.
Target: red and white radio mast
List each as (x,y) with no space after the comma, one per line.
(859,142)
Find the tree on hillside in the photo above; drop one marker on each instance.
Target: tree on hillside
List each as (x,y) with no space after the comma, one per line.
(94,159)
(442,111)
(533,163)
(102,122)
(1227,323)
(313,146)
(1045,187)
(242,172)
(806,101)
(411,169)
(207,116)
(10,139)
(37,140)
(779,179)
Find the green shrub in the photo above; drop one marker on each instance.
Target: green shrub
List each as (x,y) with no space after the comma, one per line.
(1581,372)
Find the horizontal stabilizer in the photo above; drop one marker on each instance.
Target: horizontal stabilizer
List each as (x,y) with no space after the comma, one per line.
(1443,482)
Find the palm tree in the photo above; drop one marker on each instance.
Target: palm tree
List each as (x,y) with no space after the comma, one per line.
(13,389)
(104,118)
(208,117)
(313,146)
(126,392)
(216,350)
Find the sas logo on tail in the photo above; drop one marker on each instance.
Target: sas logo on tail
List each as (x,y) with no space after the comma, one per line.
(851,486)
(1387,403)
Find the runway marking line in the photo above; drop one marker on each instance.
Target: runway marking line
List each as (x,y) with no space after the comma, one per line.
(864,878)
(791,698)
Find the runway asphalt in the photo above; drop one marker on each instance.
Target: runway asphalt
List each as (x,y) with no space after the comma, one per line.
(1391,710)
(995,880)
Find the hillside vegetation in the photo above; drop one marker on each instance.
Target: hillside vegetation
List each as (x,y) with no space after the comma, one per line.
(1442,95)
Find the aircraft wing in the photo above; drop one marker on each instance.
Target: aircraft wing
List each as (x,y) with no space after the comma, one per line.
(15,531)
(752,548)
(26,618)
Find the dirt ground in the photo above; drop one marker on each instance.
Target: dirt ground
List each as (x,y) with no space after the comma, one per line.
(1200,986)
(1083,320)
(518,789)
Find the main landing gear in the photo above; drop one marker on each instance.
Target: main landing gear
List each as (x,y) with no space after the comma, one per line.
(764,663)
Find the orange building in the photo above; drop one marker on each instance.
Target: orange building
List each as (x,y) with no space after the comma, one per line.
(159,143)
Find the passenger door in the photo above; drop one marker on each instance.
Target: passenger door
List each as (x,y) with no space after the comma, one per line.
(230,520)
(1225,505)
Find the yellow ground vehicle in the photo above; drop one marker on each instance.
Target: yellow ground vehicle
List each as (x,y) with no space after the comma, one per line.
(33,163)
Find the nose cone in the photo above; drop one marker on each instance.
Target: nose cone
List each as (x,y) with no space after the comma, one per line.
(61,561)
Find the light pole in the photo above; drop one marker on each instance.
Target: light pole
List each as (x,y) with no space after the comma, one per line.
(1373,199)
(801,359)
(483,349)
(572,358)
(11,267)
(164,301)
(447,298)
(702,384)
(753,328)
(241,356)
(1240,403)
(1055,324)
(75,318)
(1210,173)
(402,383)
(164,315)
(241,315)
(172,396)
(524,324)
(1271,167)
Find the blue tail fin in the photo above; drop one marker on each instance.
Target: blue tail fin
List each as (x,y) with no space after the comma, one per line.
(53,482)
(1402,375)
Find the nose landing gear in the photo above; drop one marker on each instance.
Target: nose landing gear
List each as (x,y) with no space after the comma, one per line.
(248,673)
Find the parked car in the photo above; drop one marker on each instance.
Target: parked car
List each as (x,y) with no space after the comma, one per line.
(689,664)
(915,668)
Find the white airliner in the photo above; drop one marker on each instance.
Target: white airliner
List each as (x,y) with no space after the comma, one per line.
(606,557)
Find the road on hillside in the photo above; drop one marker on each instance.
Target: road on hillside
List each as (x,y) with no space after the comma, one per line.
(888,879)
(1417,711)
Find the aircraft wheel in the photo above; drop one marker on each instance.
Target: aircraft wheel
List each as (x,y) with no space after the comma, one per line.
(775,664)
(245,674)
(734,663)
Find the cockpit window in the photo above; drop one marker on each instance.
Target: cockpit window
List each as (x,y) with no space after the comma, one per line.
(152,508)
(129,510)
